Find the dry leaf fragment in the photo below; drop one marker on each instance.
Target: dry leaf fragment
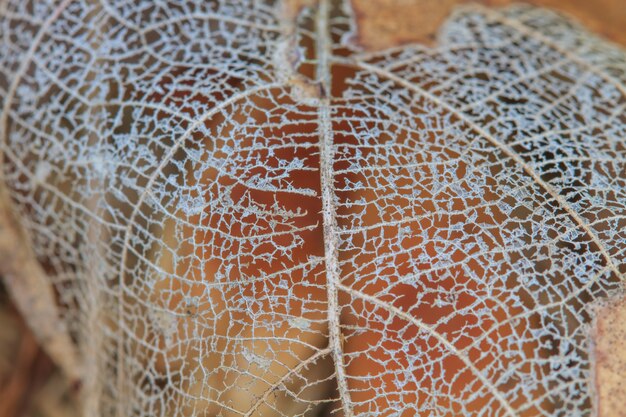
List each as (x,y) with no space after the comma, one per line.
(389,23)
(244,215)
(610,359)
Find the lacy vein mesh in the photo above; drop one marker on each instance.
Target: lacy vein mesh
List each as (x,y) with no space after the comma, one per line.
(170,161)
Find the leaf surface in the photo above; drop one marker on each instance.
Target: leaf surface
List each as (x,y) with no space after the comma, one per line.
(244,213)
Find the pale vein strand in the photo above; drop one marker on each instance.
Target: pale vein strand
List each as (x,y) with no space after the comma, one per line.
(137,207)
(538,309)
(273,387)
(526,30)
(330,227)
(26,61)
(506,150)
(59,345)
(442,340)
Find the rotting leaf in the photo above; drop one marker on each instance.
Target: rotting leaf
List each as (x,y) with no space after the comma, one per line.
(247,215)
(389,23)
(609,357)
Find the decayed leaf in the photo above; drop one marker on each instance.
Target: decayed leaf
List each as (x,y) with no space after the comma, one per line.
(387,23)
(248,215)
(609,358)
(31,291)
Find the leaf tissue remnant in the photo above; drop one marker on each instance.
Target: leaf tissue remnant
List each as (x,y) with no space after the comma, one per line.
(316,207)
(609,354)
(389,23)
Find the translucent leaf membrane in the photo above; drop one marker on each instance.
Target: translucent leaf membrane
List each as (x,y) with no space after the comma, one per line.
(244,215)
(242,248)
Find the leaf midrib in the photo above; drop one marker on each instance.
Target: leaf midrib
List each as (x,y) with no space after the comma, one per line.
(329,209)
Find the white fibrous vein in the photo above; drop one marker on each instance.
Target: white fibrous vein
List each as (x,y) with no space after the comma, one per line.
(240,213)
